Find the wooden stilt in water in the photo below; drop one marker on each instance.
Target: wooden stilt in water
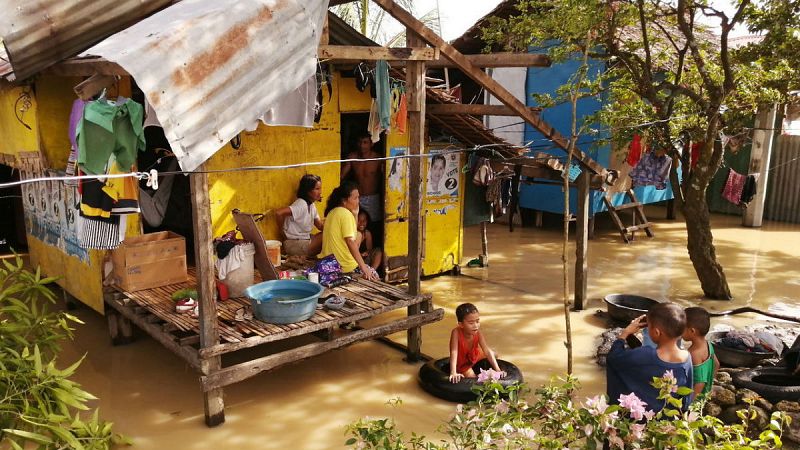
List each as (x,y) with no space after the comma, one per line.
(581,241)
(484,256)
(415,91)
(209,333)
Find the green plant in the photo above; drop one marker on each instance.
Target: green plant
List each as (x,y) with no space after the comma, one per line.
(185,293)
(502,418)
(38,402)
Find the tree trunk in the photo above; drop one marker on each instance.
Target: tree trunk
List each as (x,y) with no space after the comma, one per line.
(701,246)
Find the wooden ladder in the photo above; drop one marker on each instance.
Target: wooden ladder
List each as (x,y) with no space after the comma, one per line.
(639,219)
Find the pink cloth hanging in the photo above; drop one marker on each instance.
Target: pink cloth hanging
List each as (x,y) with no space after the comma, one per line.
(734,185)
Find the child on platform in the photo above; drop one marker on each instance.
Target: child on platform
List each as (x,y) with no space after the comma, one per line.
(468,346)
(704,362)
(632,370)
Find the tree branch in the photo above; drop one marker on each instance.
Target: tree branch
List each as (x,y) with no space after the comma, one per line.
(688,33)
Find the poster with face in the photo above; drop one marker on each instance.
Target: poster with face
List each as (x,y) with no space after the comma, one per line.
(443,174)
(397,181)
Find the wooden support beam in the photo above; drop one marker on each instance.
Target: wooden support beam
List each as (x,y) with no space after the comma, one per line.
(760,155)
(188,354)
(415,92)
(371,53)
(581,241)
(86,67)
(325,36)
(487,82)
(493,60)
(243,371)
(204,260)
(474,109)
(92,86)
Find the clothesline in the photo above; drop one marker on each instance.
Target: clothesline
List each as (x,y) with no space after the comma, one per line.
(150,175)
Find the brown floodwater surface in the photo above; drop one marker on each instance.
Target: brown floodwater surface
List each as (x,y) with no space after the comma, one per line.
(155,399)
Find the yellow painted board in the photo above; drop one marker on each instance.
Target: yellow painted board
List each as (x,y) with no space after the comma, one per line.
(350,98)
(16,137)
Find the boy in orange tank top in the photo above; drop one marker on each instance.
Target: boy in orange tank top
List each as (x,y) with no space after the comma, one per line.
(467,345)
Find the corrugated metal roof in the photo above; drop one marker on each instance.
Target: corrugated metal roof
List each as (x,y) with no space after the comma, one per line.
(39,33)
(212,69)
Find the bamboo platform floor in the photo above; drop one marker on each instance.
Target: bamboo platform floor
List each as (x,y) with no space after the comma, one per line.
(365,299)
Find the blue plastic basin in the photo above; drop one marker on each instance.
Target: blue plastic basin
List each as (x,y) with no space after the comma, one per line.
(284,301)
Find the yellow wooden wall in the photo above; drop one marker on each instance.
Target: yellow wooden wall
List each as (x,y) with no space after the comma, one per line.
(49,119)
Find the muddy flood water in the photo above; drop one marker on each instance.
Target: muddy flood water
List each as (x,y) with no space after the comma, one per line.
(155,399)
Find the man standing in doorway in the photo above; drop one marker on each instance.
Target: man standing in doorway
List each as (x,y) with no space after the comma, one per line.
(369,177)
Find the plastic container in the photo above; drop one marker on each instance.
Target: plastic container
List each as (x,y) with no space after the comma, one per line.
(274,252)
(284,301)
(239,279)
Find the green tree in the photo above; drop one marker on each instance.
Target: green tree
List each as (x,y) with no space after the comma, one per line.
(370,20)
(39,404)
(667,68)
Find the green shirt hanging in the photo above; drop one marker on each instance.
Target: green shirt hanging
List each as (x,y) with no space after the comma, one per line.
(108,128)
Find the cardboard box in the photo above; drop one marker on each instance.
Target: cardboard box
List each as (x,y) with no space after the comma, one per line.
(149,261)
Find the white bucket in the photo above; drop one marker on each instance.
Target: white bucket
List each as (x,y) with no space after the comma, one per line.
(274,252)
(241,278)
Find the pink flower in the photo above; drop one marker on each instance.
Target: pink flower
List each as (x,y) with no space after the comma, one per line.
(588,429)
(607,422)
(649,414)
(691,416)
(615,440)
(633,404)
(637,431)
(528,433)
(502,407)
(596,405)
(486,375)
(507,428)
(669,377)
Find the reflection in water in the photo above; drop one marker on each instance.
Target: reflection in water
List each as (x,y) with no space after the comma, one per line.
(152,397)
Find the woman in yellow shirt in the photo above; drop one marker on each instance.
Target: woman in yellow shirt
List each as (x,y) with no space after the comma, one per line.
(340,236)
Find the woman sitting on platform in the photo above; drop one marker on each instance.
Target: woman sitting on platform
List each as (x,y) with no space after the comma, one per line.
(340,236)
(298,218)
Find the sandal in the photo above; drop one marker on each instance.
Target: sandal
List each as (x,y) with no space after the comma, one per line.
(185,305)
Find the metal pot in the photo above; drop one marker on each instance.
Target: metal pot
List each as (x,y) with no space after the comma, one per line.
(731,357)
(623,307)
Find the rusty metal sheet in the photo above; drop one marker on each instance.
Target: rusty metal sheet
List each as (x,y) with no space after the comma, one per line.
(39,33)
(211,69)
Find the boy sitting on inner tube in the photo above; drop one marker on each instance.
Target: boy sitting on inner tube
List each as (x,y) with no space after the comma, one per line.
(468,346)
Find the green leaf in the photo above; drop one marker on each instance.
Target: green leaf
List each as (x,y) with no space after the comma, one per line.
(684,391)
(350,441)
(30,436)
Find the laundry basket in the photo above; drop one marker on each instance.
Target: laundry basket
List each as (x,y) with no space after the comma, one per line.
(239,279)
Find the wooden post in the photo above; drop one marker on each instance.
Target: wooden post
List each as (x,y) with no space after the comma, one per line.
(760,155)
(203,255)
(581,240)
(671,209)
(415,91)
(484,256)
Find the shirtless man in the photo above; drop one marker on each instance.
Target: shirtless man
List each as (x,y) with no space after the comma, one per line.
(368,175)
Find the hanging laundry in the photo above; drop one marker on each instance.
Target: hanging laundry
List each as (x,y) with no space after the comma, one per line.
(296,108)
(652,170)
(383,94)
(75,117)
(108,128)
(695,152)
(634,151)
(100,234)
(402,114)
(124,192)
(374,123)
(749,190)
(154,203)
(150,117)
(734,185)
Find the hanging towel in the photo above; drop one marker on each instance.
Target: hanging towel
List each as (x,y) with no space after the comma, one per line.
(652,170)
(75,116)
(402,114)
(154,203)
(383,95)
(374,123)
(734,185)
(634,151)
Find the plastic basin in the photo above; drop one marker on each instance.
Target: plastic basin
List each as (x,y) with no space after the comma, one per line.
(284,301)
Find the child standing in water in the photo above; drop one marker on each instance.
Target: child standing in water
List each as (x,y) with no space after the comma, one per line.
(704,361)
(467,345)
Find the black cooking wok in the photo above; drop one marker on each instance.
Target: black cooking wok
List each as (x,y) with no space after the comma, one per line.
(623,307)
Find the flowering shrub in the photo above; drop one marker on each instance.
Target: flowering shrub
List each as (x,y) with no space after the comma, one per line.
(503,418)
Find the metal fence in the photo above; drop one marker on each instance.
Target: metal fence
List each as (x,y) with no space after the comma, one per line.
(783,192)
